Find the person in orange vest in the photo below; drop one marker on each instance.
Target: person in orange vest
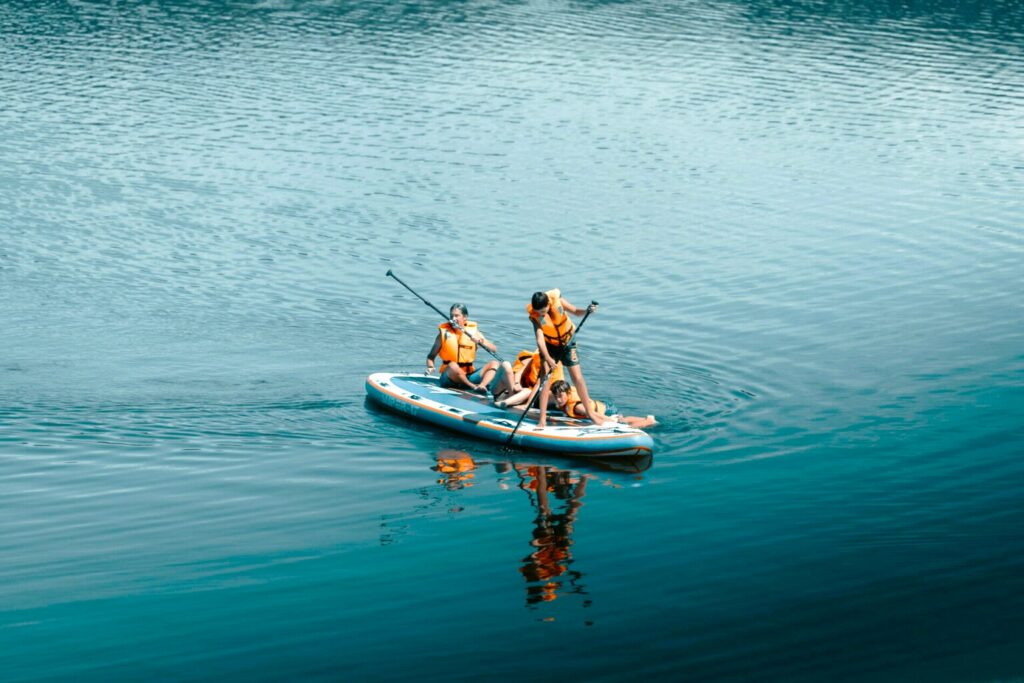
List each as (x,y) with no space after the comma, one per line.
(456,343)
(570,403)
(553,329)
(512,387)
(507,386)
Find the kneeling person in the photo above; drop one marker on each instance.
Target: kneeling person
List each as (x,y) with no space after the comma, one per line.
(568,401)
(456,343)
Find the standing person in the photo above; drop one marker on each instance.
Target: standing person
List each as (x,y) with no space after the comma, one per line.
(553,330)
(569,402)
(456,343)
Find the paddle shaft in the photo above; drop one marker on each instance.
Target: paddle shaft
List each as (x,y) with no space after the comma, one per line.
(547,375)
(446,317)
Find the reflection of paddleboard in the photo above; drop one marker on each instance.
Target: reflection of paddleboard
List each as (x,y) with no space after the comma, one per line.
(422,397)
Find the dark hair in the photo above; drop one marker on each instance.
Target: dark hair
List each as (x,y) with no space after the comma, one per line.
(539,301)
(559,386)
(461,307)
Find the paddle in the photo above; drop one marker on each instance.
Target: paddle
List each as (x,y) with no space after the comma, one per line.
(448,318)
(547,375)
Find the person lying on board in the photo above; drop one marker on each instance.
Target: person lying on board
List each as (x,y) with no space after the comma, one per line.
(554,332)
(568,401)
(456,343)
(514,383)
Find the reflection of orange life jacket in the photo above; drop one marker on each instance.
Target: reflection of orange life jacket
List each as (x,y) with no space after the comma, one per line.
(457,347)
(532,372)
(556,324)
(575,400)
(449,461)
(457,469)
(549,562)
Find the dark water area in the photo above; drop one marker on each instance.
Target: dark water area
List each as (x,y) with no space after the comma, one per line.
(803,222)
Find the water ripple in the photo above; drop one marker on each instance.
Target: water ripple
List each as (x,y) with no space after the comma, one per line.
(802,221)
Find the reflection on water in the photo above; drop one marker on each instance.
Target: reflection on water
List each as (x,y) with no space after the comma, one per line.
(556,498)
(805,215)
(546,569)
(455,469)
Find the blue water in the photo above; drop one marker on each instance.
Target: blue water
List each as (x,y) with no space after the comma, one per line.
(803,222)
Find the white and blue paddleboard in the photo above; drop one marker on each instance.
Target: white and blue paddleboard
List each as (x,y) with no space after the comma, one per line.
(422,397)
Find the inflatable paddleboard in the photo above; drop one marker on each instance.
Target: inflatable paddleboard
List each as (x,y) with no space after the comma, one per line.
(421,397)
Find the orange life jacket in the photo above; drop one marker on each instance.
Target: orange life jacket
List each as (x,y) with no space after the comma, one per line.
(532,372)
(522,358)
(457,347)
(575,400)
(556,324)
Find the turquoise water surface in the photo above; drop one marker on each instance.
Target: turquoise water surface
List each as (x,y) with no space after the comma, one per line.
(804,222)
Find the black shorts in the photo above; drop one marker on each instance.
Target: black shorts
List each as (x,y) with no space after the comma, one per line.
(568,356)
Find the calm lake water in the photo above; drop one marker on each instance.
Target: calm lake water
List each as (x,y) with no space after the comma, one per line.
(804,222)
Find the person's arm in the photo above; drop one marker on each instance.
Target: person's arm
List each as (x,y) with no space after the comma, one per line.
(480,340)
(576,310)
(489,345)
(434,350)
(542,346)
(545,393)
(517,377)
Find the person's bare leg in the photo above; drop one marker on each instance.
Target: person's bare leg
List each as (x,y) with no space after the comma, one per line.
(521,396)
(581,388)
(488,374)
(638,422)
(504,386)
(458,376)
